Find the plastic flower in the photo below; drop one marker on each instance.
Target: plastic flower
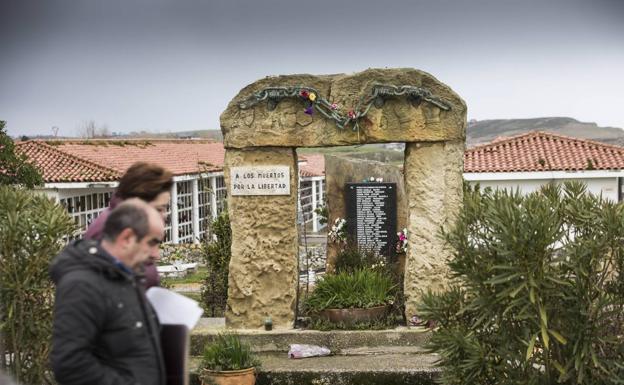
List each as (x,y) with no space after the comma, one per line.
(379,180)
(304,94)
(312,96)
(309,110)
(334,106)
(401,246)
(338,232)
(372,179)
(351,114)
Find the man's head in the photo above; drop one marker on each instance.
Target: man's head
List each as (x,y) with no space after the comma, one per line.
(132,232)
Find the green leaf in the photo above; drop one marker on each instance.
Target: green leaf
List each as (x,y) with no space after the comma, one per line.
(545,338)
(516,291)
(559,367)
(531,348)
(502,278)
(543,316)
(558,336)
(594,359)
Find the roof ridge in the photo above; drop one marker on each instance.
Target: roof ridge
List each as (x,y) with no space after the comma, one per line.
(86,162)
(589,141)
(111,140)
(538,133)
(495,142)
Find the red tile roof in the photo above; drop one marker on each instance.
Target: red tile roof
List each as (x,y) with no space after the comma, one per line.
(313,165)
(107,160)
(179,156)
(58,166)
(541,151)
(58,159)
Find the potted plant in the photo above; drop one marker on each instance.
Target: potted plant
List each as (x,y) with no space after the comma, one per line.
(348,297)
(228,361)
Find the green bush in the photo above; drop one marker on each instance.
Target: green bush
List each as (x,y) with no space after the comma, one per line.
(228,353)
(32,229)
(351,258)
(15,168)
(363,288)
(538,294)
(216,253)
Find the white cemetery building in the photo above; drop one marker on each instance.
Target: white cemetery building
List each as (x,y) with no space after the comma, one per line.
(82,176)
(529,161)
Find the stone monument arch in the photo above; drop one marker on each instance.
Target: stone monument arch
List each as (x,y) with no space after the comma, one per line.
(265,123)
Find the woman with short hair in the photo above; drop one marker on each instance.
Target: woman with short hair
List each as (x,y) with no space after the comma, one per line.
(149,182)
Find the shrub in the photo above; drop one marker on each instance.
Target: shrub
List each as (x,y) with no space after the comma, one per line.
(228,353)
(538,296)
(363,288)
(351,258)
(323,213)
(32,229)
(216,253)
(15,168)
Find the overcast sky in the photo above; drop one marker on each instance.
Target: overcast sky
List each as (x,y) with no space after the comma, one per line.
(173,65)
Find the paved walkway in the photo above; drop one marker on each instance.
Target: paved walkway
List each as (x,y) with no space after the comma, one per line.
(186,287)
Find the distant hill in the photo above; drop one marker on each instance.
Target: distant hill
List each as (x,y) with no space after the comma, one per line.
(478,132)
(484,131)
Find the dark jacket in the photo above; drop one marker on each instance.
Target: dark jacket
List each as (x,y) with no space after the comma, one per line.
(94,231)
(105,332)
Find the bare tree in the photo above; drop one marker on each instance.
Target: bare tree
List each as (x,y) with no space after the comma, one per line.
(90,129)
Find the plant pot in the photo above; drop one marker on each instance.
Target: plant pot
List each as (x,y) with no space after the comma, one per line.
(229,377)
(355,315)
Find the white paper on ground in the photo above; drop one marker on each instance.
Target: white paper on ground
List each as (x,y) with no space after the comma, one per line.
(173,308)
(303,351)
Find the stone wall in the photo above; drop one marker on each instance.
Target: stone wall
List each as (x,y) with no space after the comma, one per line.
(262,128)
(263,267)
(340,170)
(433,182)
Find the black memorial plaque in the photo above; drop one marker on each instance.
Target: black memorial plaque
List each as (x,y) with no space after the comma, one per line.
(371,216)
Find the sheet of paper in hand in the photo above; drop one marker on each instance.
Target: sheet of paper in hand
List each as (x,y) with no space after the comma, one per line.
(173,308)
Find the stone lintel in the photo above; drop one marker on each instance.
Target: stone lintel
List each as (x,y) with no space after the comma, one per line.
(284,123)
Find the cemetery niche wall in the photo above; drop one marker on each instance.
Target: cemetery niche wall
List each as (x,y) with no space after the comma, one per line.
(265,123)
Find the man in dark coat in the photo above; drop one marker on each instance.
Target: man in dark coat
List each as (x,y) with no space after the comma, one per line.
(105,332)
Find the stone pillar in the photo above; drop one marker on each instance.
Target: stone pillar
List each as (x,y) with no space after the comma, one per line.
(433,183)
(263,268)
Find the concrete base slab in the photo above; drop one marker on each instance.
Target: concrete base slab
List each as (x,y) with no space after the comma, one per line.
(336,340)
(382,369)
(375,357)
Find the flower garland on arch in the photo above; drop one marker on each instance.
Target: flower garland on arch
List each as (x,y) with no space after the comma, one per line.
(352,117)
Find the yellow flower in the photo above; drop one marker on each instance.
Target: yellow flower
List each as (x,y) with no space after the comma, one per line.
(312,96)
